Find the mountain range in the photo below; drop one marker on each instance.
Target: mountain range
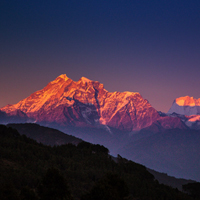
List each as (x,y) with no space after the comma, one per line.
(122,121)
(86,103)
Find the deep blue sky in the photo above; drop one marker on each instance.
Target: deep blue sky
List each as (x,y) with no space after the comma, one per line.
(150,47)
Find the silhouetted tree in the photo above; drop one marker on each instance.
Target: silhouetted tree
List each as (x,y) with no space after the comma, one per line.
(54,186)
(193,189)
(109,188)
(27,193)
(8,191)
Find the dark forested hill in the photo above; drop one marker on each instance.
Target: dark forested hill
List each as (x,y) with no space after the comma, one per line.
(45,135)
(29,170)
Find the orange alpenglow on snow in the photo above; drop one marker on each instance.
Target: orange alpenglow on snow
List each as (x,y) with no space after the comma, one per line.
(85,103)
(185,106)
(187,101)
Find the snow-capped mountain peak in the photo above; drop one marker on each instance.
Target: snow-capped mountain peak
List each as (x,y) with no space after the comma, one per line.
(63,76)
(84,80)
(185,106)
(85,103)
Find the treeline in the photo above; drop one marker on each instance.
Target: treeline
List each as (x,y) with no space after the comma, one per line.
(33,171)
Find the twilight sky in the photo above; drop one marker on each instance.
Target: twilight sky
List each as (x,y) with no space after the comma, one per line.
(150,47)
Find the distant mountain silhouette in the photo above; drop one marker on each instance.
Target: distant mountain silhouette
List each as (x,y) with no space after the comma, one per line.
(173,151)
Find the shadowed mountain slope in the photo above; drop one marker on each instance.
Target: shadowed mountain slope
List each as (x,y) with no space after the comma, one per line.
(174,151)
(45,135)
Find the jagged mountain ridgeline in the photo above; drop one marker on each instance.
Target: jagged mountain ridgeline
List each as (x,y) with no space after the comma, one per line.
(84,103)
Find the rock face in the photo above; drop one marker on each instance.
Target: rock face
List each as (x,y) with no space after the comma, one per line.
(85,103)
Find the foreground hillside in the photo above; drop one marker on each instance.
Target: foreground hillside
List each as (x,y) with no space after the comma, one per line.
(28,169)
